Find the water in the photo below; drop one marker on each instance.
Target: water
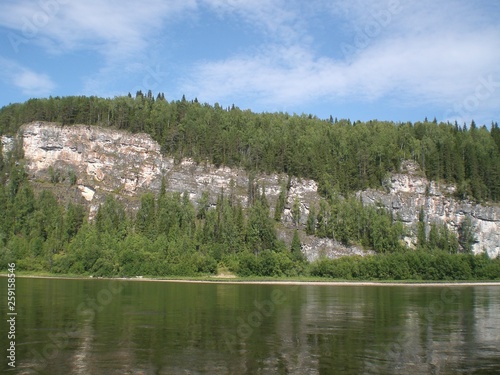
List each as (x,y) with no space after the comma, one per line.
(132,327)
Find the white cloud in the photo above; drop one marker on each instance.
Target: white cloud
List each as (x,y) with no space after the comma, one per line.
(424,54)
(32,83)
(418,53)
(114,28)
(119,33)
(278,19)
(28,81)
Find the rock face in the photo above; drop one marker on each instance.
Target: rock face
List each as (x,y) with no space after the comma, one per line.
(94,162)
(105,161)
(7,143)
(409,192)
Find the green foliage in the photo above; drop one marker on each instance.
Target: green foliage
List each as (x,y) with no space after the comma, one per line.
(350,222)
(467,234)
(280,204)
(54,175)
(311,221)
(296,247)
(260,234)
(296,211)
(421,236)
(410,265)
(72,177)
(341,156)
(111,217)
(168,236)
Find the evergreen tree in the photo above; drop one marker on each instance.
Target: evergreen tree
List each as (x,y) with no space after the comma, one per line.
(296,211)
(296,246)
(203,205)
(260,230)
(311,221)
(280,204)
(421,236)
(145,222)
(111,218)
(467,234)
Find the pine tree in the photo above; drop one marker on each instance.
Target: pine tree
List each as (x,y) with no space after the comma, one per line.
(296,211)
(311,221)
(145,221)
(421,236)
(203,205)
(296,246)
(467,234)
(280,204)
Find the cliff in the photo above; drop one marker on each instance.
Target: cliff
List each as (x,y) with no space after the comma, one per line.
(85,163)
(409,192)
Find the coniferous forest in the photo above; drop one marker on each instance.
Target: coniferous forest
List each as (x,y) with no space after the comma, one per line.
(171,236)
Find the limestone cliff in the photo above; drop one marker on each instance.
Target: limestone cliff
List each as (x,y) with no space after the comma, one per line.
(407,193)
(91,162)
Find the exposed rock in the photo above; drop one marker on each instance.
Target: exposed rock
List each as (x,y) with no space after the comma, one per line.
(410,192)
(107,161)
(314,248)
(7,143)
(127,165)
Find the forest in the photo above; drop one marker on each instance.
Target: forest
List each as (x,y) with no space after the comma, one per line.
(171,236)
(341,155)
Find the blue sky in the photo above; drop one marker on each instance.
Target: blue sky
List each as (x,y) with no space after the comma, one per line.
(395,60)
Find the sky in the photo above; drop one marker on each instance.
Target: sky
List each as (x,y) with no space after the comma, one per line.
(398,60)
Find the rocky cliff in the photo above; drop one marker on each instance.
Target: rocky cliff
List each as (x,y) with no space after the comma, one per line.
(90,162)
(409,192)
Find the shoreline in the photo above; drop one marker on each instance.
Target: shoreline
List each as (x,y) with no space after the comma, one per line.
(233,281)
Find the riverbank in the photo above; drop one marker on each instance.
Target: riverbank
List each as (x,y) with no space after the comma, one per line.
(268,281)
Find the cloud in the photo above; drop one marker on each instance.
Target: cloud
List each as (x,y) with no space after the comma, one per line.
(410,53)
(32,83)
(28,81)
(114,28)
(421,55)
(278,19)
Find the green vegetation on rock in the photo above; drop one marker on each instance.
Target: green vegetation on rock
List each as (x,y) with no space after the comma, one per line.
(170,236)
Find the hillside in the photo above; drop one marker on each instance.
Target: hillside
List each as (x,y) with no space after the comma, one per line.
(176,210)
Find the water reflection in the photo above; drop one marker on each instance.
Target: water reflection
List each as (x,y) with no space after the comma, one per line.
(167,328)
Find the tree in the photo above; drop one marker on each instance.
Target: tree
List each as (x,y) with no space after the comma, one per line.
(73,220)
(296,211)
(421,236)
(111,218)
(296,246)
(2,164)
(203,205)
(280,204)
(261,234)
(145,221)
(467,234)
(311,221)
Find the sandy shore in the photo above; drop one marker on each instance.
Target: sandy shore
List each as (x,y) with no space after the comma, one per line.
(225,280)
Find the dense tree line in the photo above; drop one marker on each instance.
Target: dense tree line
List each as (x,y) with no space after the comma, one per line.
(350,222)
(340,155)
(409,265)
(170,236)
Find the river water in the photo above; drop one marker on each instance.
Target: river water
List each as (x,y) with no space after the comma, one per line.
(133,327)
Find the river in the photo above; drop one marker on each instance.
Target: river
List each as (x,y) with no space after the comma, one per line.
(72,326)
